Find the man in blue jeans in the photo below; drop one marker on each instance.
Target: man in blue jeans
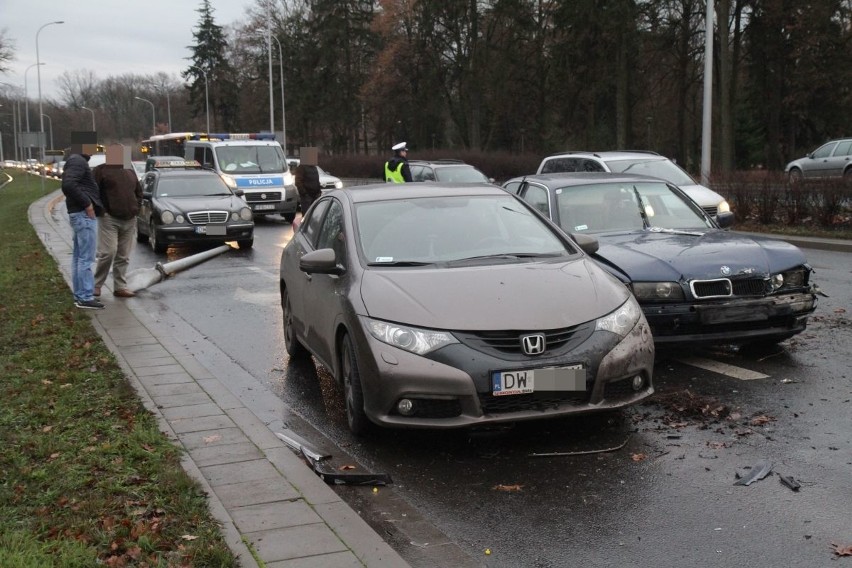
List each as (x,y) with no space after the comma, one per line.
(83,201)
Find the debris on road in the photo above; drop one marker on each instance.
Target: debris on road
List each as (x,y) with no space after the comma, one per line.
(789,481)
(316,459)
(143,278)
(580,452)
(842,549)
(508,488)
(756,473)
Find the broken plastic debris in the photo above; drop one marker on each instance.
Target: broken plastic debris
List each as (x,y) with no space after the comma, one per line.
(789,481)
(757,472)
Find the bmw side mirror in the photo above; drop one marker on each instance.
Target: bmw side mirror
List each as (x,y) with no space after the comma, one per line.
(322,261)
(725,219)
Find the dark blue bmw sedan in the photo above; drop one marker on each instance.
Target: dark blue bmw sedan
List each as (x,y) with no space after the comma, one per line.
(695,281)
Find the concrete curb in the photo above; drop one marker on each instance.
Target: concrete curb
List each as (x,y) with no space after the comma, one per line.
(264,496)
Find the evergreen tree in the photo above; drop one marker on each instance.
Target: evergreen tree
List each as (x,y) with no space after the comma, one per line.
(209,57)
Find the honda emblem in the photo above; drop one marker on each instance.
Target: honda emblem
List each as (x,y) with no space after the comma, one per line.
(533,344)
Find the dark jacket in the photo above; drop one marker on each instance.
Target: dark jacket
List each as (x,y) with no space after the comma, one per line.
(307,181)
(120,190)
(79,186)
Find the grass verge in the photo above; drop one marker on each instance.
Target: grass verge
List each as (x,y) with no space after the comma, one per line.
(88,478)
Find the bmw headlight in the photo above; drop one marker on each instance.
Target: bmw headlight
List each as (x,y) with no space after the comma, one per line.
(622,320)
(724,207)
(790,279)
(229,181)
(167,217)
(658,291)
(413,339)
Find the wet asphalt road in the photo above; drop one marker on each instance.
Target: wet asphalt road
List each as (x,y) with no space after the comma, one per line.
(651,486)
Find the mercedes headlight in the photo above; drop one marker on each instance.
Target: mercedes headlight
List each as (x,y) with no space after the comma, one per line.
(245,214)
(167,217)
(651,291)
(622,320)
(413,339)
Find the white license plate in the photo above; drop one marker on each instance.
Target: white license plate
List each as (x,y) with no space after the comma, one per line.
(570,378)
(215,230)
(264,207)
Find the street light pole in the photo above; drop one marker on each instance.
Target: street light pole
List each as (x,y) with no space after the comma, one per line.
(27,105)
(50,122)
(93,116)
(269,49)
(283,113)
(153,115)
(206,96)
(41,118)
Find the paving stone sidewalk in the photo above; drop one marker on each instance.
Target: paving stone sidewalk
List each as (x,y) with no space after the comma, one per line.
(259,490)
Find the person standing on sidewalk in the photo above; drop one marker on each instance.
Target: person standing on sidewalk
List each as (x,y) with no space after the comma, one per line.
(121,194)
(83,202)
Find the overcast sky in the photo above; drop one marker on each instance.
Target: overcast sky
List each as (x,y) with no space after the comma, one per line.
(107,37)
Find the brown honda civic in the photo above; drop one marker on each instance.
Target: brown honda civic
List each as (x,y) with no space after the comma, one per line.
(447,306)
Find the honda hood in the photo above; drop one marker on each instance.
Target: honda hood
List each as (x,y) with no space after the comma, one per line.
(524,296)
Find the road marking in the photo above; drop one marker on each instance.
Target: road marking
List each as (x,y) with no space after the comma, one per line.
(722,368)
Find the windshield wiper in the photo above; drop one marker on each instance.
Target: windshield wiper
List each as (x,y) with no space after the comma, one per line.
(510,256)
(674,232)
(401,263)
(642,213)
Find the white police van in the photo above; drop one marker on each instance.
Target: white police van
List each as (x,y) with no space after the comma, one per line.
(254,163)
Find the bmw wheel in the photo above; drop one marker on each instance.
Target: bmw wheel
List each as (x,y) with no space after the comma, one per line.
(359,424)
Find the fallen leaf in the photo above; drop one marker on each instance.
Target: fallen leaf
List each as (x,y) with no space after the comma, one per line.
(507,488)
(840,311)
(211,439)
(46,382)
(761,420)
(55,455)
(189,537)
(717,445)
(638,457)
(47,429)
(842,549)
(346,467)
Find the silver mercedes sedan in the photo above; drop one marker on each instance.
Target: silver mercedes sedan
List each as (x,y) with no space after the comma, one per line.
(446,306)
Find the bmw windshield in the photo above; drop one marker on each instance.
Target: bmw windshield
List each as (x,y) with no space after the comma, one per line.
(627,207)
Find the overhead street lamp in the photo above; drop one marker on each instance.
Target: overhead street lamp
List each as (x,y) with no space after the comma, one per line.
(41,118)
(93,116)
(27,104)
(206,95)
(153,115)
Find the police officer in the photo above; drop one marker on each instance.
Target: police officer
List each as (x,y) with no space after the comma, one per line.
(396,169)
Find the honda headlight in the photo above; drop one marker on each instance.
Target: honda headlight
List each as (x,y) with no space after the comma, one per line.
(651,291)
(413,339)
(622,320)
(167,217)
(724,207)
(338,184)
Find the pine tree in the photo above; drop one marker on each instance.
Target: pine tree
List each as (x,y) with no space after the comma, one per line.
(211,69)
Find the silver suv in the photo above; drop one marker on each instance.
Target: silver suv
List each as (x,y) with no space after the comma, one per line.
(636,162)
(832,159)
